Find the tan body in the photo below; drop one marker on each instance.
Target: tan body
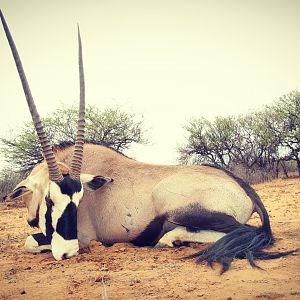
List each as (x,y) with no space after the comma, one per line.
(120,211)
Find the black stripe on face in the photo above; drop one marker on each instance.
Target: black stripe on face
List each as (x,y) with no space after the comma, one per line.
(69,186)
(48,217)
(67,223)
(34,222)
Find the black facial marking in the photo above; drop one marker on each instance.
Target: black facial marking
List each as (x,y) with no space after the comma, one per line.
(34,222)
(48,217)
(153,232)
(69,186)
(195,218)
(67,223)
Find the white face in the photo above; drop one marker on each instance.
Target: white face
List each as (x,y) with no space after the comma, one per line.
(65,197)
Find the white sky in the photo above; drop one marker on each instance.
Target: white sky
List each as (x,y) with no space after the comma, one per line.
(169,60)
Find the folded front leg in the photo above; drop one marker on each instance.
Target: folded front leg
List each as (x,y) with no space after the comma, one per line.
(38,243)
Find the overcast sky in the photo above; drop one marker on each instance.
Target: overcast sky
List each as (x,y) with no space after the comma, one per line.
(168,60)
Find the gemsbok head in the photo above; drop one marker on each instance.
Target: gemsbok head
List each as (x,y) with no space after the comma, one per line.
(53,205)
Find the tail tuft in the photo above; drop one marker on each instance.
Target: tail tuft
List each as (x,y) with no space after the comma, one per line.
(243,243)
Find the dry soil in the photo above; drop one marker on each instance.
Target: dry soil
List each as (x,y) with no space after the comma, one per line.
(127,272)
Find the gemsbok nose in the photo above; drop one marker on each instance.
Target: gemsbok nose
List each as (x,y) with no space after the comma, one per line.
(62,249)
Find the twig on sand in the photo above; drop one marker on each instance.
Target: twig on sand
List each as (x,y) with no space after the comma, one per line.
(104,291)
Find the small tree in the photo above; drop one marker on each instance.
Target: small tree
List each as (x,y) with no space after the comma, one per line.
(259,141)
(111,127)
(210,142)
(283,120)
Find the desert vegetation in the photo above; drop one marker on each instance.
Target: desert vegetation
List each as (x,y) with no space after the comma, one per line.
(258,146)
(111,127)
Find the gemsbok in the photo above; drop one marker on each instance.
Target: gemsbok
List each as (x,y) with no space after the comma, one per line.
(147,205)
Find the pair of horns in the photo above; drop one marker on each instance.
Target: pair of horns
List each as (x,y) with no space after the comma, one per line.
(54,171)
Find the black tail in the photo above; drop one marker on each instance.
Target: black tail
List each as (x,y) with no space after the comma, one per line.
(244,242)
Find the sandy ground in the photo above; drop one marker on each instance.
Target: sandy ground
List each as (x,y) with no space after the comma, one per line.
(127,272)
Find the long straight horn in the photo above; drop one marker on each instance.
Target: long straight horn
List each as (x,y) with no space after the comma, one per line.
(78,150)
(54,171)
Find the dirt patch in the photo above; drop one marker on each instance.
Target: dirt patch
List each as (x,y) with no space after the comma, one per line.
(127,272)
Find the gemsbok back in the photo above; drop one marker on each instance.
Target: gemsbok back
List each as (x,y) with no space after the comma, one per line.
(147,205)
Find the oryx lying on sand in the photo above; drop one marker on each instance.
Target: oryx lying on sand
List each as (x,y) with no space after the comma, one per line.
(145,204)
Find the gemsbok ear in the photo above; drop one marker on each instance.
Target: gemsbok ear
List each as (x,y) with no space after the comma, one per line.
(19,192)
(93,183)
